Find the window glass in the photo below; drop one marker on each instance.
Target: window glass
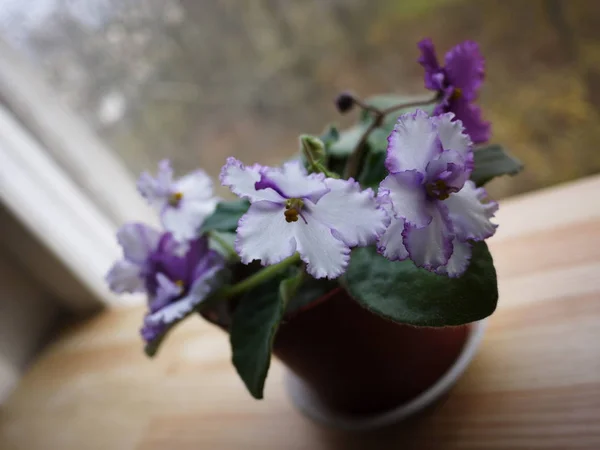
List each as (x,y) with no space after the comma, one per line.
(200,80)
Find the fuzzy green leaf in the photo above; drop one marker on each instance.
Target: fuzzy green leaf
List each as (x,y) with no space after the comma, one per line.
(403,293)
(255,322)
(226,216)
(347,140)
(330,136)
(493,161)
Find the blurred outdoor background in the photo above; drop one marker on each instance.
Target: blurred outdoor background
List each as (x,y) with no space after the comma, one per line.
(197,80)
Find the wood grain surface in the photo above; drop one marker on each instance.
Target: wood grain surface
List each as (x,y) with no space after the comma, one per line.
(534,384)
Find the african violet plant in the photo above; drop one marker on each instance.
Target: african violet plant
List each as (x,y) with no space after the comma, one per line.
(392,209)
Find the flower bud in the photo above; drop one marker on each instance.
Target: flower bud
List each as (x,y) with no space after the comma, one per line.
(313,148)
(344,102)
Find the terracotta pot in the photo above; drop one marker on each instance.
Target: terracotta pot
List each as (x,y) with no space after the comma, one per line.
(352,364)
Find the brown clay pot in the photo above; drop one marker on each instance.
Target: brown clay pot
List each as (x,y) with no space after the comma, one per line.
(359,363)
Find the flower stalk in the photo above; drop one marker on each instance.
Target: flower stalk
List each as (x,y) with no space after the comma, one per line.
(258,278)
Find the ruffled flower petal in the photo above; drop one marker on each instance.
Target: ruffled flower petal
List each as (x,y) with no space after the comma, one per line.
(178,309)
(431,247)
(465,67)
(138,241)
(412,143)
(452,135)
(125,277)
(353,213)
(196,186)
(391,242)
(325,255)
(292,181)
(470,115)
(156,190)
(263,234)
(242,181)
(428,60)
(408,196)
(458,262)
(151,331)
(469,215)
(184,221)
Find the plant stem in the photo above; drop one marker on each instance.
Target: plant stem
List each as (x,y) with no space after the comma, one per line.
(414,104)
(356,157)
(259,277)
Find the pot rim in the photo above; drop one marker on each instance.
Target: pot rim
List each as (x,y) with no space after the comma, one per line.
(310,405)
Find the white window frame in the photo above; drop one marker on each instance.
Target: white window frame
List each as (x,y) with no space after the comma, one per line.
(65,186)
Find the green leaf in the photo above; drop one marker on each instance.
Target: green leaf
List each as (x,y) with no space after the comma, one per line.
(226,216)
(255,322)
(330,136)
(289,286)
(347,140)
(493,161)
(374,170)
(403,293)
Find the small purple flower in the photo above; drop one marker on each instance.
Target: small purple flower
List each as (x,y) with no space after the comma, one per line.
(175,283)
(320,218)
(436,210)
(183,203)
(458,83)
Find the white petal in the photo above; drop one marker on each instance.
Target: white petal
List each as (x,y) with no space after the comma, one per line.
(391,242)
(291,181)
(458,262)
(137,241)
(195,186)
(431,247)
(452,135)
(412,144)
(324,255)
(180,308)
(470,217)
(241,180)
(408,196)
(264,234)
(124,276)
(184,220)
(351,212)
(156,190)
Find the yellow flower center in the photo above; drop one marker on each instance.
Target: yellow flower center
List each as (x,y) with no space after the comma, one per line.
(175,198)
(456,94)
(293,207)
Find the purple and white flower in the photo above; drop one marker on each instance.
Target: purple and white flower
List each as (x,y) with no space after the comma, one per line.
(458,82)
(291,211)
(174,283)
(436,210)
(183,203)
